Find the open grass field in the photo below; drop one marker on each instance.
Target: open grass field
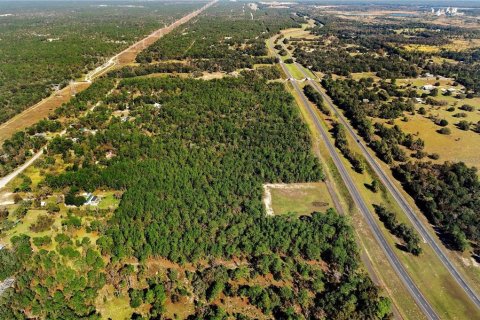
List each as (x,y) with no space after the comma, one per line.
(300,199)
(111,306)
(23,226)
(361,75)
(297,74)
(460,145)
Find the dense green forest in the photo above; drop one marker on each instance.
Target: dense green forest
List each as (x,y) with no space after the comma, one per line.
(449,194)
(191,158)
(47,44)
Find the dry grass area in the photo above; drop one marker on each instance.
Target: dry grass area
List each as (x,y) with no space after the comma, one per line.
(460,145)
(300,32)
(112,307)
(297,198)
(39,111)
(456,44)
(361,75)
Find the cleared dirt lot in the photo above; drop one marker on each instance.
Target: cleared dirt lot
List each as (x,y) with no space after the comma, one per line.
(296,198)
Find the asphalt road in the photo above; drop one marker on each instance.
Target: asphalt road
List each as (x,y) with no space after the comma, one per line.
(5,180)
(399,198)
(362,206)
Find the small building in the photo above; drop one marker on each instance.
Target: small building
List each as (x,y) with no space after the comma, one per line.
(92,200)
(365,100)
(110,154)
(428,87)
(43,203)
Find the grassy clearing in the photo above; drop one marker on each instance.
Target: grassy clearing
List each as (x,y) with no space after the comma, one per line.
(23,226)
(112,307)
(181,309)
(361,75)
(108,200)
(458,146)
(300,199)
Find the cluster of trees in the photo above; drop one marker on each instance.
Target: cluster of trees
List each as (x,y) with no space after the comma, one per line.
(86,99)
(448,194)
(269,72)
(155,295)
(17,149)
(193,170)
(47,45)
(400,229)
(388,147)
(48,287)
(331,59)
(351,95)
(466,56)
(145,69)
(12,259)
(341,143)
(382,34)
(196,66)
(298,288)
(316,98)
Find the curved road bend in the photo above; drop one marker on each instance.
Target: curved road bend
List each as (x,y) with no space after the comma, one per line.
(399,198)
(392,258)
